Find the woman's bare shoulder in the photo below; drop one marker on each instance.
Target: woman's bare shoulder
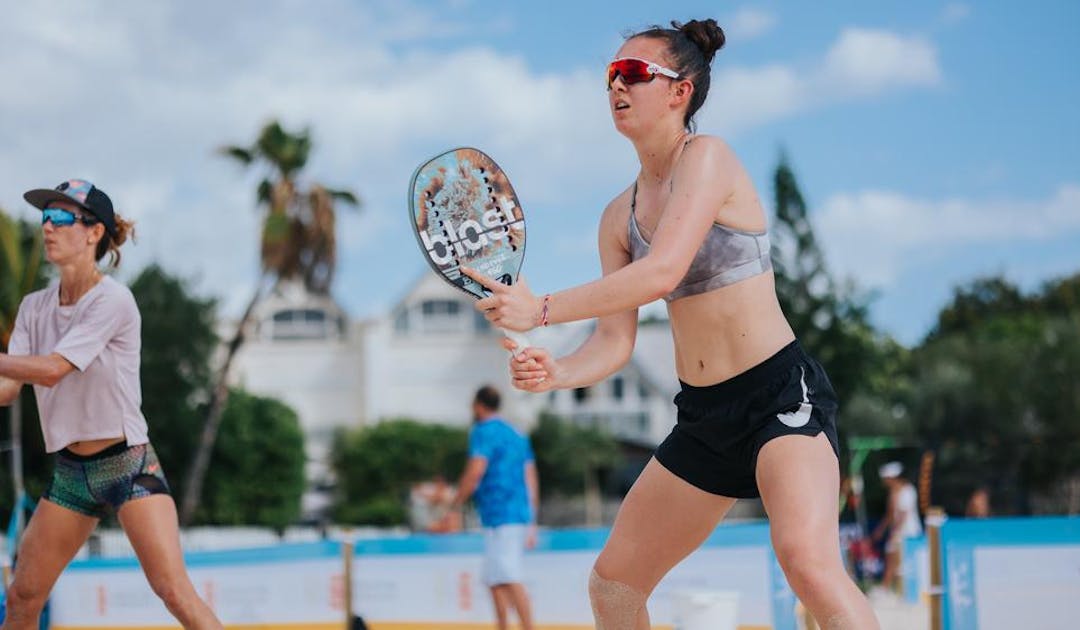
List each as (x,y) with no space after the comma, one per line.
(706,147)
(613,221)
(618,209)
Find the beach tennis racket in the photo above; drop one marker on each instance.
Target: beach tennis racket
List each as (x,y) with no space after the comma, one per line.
(464,212)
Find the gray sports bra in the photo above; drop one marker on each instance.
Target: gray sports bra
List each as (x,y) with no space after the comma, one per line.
(726,257)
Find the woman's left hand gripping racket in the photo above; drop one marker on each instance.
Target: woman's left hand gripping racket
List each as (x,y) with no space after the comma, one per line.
(465,213)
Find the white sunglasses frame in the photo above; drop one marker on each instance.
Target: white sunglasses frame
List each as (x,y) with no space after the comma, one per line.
(651,67)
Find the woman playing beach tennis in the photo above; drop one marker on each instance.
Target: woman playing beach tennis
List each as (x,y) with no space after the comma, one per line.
(756,414)
(77,342)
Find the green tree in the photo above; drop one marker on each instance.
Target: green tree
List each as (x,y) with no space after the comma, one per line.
(994,392)
(879,407)
(178,341)
(21,271)
(297,243)
(1061,297)
(570,457)
(830,320)
(257,473)
(375,467)
(256,476)
(974,304)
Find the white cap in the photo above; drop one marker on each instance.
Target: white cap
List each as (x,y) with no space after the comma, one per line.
(890,470)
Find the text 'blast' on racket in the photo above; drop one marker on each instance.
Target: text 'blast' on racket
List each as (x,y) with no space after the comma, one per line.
(465,214)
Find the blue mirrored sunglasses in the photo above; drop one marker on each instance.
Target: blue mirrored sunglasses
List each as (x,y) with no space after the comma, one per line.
(62,218)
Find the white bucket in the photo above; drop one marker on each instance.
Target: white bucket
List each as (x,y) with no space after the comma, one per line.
(705,610)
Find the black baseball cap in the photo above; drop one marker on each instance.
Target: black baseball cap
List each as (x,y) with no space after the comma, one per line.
(81,193)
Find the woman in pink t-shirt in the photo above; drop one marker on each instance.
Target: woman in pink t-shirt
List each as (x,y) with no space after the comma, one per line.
(77,342)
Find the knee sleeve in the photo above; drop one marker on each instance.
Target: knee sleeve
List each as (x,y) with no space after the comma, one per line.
(615,605)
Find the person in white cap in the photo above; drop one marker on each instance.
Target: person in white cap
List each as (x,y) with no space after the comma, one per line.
(901,520)
(77,342)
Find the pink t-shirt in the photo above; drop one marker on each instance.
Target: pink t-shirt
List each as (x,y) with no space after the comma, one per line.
(100,336)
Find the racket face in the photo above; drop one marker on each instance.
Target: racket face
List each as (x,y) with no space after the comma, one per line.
(465,213)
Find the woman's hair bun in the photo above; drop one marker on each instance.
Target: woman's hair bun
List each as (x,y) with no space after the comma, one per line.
(706,34)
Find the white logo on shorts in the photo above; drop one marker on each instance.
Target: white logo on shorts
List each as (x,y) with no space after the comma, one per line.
(798,418)
(801,416)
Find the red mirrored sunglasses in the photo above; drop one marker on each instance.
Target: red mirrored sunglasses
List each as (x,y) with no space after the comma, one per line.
(634,70)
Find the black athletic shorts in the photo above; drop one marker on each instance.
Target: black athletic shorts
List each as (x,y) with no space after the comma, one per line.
(722,427)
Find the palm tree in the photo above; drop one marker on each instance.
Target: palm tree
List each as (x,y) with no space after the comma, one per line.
(297,244)
(20,273)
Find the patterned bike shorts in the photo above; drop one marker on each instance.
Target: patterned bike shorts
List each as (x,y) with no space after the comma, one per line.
(96,484)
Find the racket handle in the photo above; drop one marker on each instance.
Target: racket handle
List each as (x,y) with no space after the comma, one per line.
(519,338)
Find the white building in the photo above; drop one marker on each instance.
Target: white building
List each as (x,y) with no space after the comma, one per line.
(635,404)
(424,360)
(428,356)
(303,350)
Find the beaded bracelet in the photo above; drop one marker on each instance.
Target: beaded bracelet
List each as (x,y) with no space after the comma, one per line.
(544,310)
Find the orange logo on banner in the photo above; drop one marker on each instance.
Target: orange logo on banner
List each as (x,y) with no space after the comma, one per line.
(464,591)
(337,592)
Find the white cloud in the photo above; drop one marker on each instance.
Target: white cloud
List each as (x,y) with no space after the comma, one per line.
(861,63)
(955,12)
(865,60)
(746,97)
(143,111)
(748,23)
(873,235)
(142,106)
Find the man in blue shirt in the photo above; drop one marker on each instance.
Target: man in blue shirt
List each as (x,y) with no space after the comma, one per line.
(501,476)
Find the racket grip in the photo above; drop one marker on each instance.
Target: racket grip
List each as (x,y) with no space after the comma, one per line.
(519,338)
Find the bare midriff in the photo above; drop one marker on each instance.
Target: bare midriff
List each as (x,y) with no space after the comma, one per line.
(727,331)
(89,447)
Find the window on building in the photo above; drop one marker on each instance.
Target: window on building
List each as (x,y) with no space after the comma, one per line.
(581,394)
(480,323)
(617,388)
(443,316)
(401,321)
(440,307)
(642,391)
(300,323)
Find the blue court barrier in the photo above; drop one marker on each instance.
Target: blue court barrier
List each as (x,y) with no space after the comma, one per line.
(286,587)
(1008,573)
(389,573)
(420,582)
(915,565)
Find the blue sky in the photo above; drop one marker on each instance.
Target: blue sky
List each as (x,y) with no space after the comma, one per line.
(935,142)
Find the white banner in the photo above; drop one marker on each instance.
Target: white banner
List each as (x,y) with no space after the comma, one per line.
(428,582)
(430,588)
(1027,587)
(416,583)
(1005,573)
(297,586)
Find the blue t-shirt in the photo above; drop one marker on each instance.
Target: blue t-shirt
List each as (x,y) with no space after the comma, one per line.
(502,497)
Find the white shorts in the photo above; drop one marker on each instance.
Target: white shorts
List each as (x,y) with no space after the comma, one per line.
(504,547)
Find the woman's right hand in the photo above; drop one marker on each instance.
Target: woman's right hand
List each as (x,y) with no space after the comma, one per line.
(532,370)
